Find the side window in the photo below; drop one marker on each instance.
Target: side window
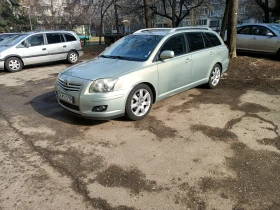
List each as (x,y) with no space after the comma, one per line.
(35,40)
(69,37)
(244,30)
(260,31)
(54,38)
(207,41)
(195,41)
(213,39)
(176,44)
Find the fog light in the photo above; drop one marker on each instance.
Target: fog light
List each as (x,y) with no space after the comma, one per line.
(101,108)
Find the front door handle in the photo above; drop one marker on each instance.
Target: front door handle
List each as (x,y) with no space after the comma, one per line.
(188,60)
(64,45)
(44,48)
(211,53)
(254,38)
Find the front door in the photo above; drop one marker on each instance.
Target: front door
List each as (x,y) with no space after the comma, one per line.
(175,73)
(34,50)
(261,42)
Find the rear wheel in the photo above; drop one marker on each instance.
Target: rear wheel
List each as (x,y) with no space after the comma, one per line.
(215,76)
(72,57)
(13,64)
(139,102)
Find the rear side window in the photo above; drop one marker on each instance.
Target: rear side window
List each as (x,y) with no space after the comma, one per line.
(244,30)
(215,41)
(54,38)
(69,38)
(195,41)
(207,41)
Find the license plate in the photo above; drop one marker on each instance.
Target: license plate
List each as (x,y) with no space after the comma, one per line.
(65,97)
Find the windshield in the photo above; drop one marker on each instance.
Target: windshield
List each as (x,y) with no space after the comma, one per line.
(133,47)
(11,41)
(276,28)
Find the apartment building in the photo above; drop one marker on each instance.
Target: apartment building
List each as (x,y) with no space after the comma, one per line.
(210,14)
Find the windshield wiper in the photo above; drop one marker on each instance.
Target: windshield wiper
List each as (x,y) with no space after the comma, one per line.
(115,57)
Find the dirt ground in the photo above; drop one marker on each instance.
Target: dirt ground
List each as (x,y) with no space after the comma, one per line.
(199,150)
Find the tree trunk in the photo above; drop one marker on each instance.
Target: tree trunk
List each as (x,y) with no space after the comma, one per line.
(173,13)
(266,13)
(147,14)
(116,18)
(225,20)
(100,30)
(232,28)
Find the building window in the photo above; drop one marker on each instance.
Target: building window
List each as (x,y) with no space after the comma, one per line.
(214,23)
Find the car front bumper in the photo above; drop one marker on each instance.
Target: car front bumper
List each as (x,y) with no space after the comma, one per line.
(83,104)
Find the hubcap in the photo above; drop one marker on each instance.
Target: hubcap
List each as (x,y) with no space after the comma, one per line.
(215,77)
(14,64)
(140,102)
(73,57)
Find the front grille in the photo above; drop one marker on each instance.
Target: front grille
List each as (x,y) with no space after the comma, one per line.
(70,106)
(68,86)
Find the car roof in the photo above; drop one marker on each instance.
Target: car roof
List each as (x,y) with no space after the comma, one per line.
(258,24)
(165,31)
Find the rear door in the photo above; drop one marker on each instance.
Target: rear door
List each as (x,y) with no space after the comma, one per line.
(261,42)
(56,46)
(202,55)
(243,37)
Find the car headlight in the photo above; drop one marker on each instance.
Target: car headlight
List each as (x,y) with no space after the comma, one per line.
(103,85)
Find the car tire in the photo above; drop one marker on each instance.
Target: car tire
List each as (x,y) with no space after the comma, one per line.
(215,76)
(139,102)
(72,57)
(13,64)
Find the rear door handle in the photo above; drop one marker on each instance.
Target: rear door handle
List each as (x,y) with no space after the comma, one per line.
(64,45)
(254,38)
(44,48)
(188,60)
(211,53)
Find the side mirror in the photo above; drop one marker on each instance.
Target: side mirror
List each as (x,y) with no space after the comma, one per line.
(269,34)
(167,54)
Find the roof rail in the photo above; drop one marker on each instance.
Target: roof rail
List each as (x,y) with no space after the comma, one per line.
(190,28)
(152,29)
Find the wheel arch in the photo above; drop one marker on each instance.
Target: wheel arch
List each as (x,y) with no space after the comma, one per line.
(12,56)
(153,90)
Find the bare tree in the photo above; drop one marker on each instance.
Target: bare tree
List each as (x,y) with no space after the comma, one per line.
(148,20)
(174,10)
(103,6)
(232,27)
(225,20)
(267,8)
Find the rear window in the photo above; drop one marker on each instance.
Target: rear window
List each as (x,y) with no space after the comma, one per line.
(195,41)
(69,38)
(215,41)
(54,38)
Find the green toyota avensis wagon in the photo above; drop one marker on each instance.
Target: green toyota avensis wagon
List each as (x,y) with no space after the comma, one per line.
(141,69)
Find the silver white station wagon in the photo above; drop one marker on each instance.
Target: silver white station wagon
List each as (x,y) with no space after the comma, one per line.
(141,69)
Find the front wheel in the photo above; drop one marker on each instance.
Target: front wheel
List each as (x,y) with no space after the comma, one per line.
(139,102)
(72,57)
(215,76)
(13,64)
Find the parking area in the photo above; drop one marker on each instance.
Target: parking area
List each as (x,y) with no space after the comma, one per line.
(199,150)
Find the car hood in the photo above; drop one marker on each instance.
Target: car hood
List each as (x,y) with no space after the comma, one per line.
(101,68)
(3,48)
